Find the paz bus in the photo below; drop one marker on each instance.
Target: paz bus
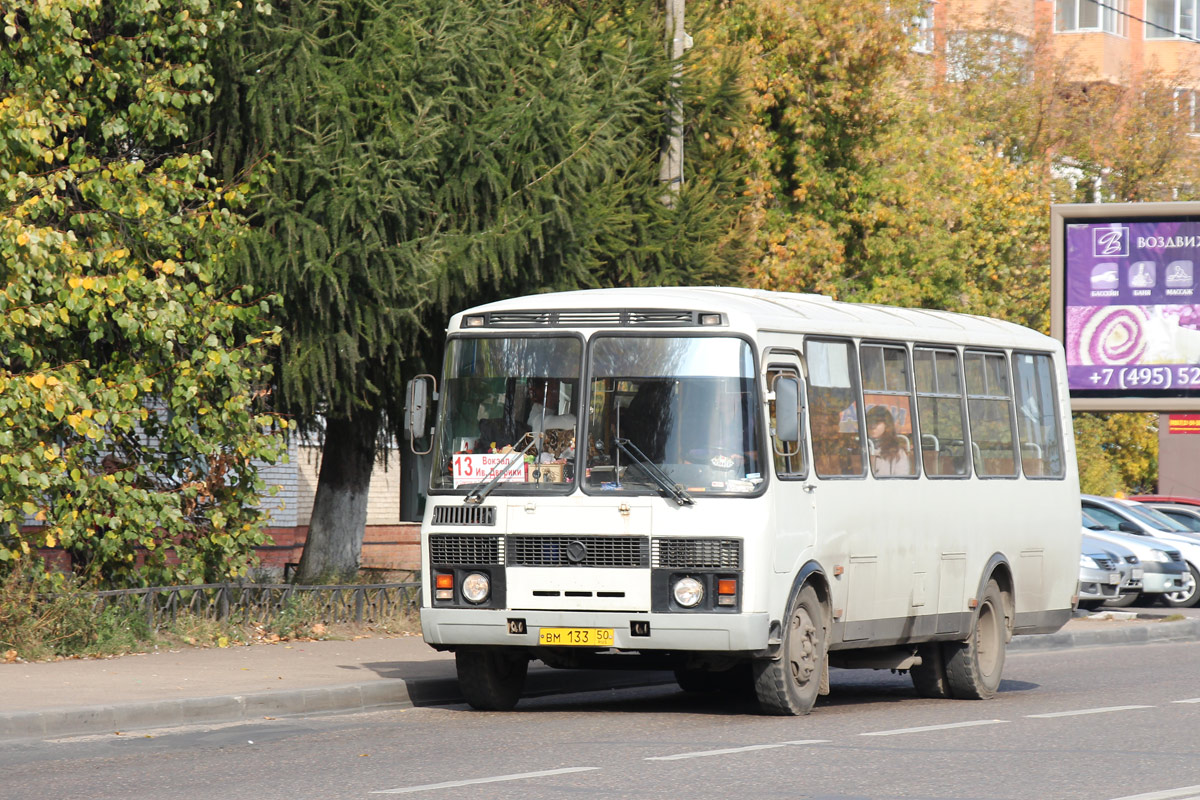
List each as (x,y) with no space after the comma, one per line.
(745,487)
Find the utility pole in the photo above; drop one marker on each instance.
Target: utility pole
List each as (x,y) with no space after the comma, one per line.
(671,169)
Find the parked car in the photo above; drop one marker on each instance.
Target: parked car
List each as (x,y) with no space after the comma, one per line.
(1163,568)
(1184,510)
(1128,564)
(1127,516)
(1099,573)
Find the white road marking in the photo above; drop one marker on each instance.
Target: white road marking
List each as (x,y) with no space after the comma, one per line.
(924,728)
(722,752)
(1189,700)
(1182,793)
(731,750)
(1085,711)
(429,787)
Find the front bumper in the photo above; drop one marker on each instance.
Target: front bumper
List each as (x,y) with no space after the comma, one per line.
(1098,584)
(450,627)
(1159,582)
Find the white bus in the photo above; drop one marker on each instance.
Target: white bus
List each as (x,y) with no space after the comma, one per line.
(745,486)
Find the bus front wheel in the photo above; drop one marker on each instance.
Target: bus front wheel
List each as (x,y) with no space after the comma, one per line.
(491,680)
(973,667)
(788,684)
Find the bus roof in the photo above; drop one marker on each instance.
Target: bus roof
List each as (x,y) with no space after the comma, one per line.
(752,310)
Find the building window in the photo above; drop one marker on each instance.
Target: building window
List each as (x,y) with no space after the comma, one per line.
(1168,19)
(1185,103)
(979,55)
(1106,16)
(921,29)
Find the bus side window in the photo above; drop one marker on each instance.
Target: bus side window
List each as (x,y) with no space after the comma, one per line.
(940,412)
(1038,425)
(834,409)
(788,456)
(989,405)
(887,398)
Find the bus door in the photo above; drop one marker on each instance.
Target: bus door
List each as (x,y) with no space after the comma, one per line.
(795,502)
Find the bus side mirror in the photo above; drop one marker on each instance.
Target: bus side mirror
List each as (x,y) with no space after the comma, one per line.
(421,393)
(787,409)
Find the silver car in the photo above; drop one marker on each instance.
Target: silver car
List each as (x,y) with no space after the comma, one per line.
(1099,574)
(1128,516)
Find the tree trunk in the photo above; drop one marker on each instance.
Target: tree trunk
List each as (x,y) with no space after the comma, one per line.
(339,515)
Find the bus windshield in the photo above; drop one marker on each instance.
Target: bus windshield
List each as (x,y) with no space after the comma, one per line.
(509,413)
(686,405)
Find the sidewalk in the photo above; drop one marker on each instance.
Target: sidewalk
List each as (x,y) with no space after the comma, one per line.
(192,686)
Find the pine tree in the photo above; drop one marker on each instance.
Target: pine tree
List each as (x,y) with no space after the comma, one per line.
(421,157)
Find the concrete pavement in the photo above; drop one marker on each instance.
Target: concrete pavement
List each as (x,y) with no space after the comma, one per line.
(219,685)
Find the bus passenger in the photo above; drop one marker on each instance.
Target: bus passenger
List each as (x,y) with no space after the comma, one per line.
(890,455)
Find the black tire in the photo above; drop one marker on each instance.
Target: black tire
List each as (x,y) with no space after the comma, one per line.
(973,667)
(1128,599)
(1185,599)
(788,685)
(929,677)
(491,680)
(1090,605)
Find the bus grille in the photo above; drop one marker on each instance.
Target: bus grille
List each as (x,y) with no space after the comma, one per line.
(464,515)
(578,551)
(696,553)
(458,548)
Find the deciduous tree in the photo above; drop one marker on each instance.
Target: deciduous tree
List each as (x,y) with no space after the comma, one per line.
(131,374)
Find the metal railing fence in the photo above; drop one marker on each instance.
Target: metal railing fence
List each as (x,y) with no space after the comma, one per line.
(265,602)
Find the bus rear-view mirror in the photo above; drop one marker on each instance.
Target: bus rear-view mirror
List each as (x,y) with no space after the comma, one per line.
(787,409)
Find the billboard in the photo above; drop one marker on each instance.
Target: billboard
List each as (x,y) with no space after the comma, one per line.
(1125,292)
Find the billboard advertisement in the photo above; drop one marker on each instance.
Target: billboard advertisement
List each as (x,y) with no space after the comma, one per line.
(1127,303)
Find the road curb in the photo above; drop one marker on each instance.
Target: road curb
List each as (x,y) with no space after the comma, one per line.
(398,693)
(346,698)
(197,710)
(1180,631)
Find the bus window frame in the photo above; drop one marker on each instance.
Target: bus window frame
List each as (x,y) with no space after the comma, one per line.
(796,368)
(962,403)
(855,374)
(514,333)
(586,421)
(1057,412)
(915,441)
(1012,416)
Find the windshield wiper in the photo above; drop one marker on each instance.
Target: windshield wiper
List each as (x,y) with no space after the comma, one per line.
(674,490)
(481,490)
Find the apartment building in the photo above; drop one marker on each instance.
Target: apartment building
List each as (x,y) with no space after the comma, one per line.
(1106,41)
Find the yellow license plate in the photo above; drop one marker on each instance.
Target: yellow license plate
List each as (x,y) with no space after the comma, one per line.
(578,637)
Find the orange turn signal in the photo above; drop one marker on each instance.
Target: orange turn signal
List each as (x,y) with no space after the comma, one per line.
(727,586)
(445,581)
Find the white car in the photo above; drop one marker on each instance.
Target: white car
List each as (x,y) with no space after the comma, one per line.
(1127,561)
(1125,516)
(1099,573)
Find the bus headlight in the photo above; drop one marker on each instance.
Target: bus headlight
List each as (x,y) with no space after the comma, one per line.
(476,587)
(688,592)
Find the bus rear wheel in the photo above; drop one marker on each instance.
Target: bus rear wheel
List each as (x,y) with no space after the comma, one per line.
(491,680)
(973,667)
(788,685)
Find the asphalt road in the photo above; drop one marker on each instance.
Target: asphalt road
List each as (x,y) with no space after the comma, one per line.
(1100,723)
